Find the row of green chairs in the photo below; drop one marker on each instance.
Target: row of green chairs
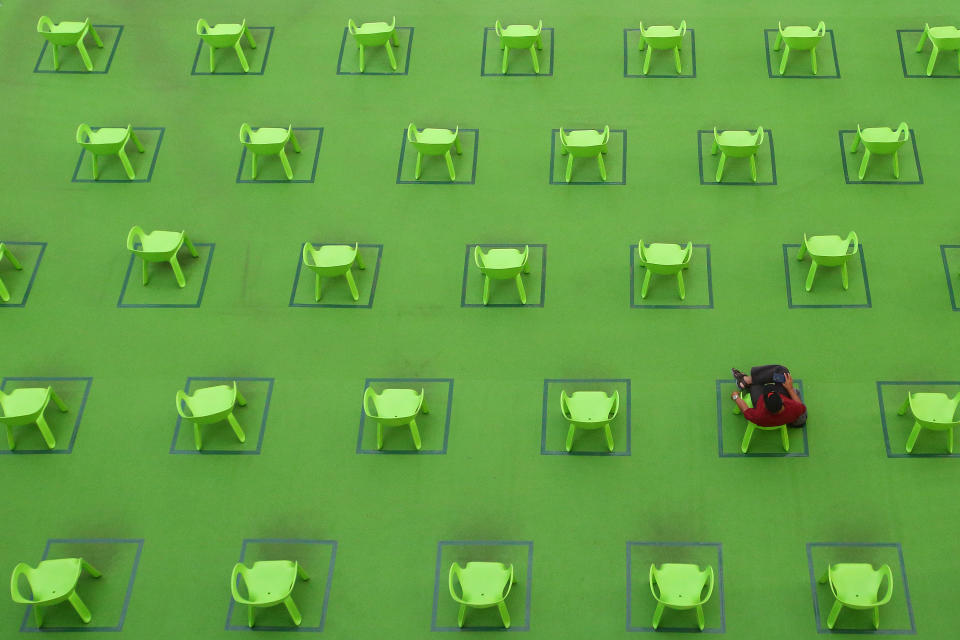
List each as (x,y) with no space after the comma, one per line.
(517,36)
(400,407)
(579,143)
(476,585)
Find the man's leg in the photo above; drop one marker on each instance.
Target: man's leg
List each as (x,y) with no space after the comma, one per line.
(763,375)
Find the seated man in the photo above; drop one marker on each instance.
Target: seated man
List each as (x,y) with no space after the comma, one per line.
(780,403)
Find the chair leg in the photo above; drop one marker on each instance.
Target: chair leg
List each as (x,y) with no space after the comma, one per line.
(646,61)
(379,436)
(450,169)
(923,38)
(89,568)
(572,430)
(503,64)
(295,143)
(876,617)
(536,62)
(360,57)
(96,173)
(646,283)
(243,59)
(56,67)
(45,432)
(486,289)
(11,441)
(250,40)
(813,60)
(723,161)
(896,164)
(96,37)
(237,429)
(933,59)
(461,615)
(240,399)
(676,59)
(603,169)
(415,434)
(393,39)
(569,167)
(80,607)
(125,161)
(419,169)
(700,620)
(783,60)
(856,143)
(353,286)
(802,251)
(808,285)
(253,166)
(316,288)
(197,441)
(609,435)
(778,42)
(251,616)
(785,438)
(753,167)
(903,408)
(682,289)
(192,249)
(950,440)
(521,290)
(834,614)
(393,59)
(177,272)
(213,62)
(745,443)
(863,164)
(504,614)
(286,164)
(844,276)
(84,55)
(423,406)
(4,292)
(657,614)
(302,573)
(912,439)
(146,272)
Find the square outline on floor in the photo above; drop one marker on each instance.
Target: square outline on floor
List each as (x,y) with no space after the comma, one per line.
(833,46)
(263,65)
(791,305)
(406,66)
(634,271)
(483,57)
(227,452)
(490,543)
(903,576)
(313,171)
(946,268)
(846,173)
(903,61)
(773,160)
(326,593)
(446,425)
(554,134)
(43,50)
(543,422)
(126,601)
(33,275)
(203,284)
(76,423)
(517,305)
(473,174)
(883,415)
(693,56)
(153,161)
(804,453)
(718,582)
(373,286)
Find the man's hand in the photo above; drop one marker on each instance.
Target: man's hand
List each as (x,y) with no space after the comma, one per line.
(788,380)
(734,395)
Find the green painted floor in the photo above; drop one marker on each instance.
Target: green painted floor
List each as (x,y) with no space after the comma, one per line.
(185,518)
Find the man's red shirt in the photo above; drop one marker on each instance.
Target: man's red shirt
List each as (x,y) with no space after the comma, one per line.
(760,416)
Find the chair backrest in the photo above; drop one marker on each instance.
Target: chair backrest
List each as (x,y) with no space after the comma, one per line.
(262,148)
(857,572)
(653,266)
(371,409)
(586,151)
(888,147)
(565,401)
(922,416)
(702,578)
(373,39)
(806,41)
(518,42)
(310,262)
(25,570)
(135,245)
(740,150)
(85,135)
(500,273)
(430,148)
(219,40)
(45,27)
(664,37)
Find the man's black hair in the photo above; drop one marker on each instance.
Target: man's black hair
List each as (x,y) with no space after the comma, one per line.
(772,400)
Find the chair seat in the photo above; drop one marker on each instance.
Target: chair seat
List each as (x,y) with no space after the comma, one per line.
(268,135)
(664,254)
(23,402)
(519,31)
(211,400)
(583,138)
(802,31)
(680,584)
(932,407)
(879,134)
(737,138)
(589,406)
(108,135)
(945,33)
(502,258)
(271,581)
(857,584)
(483,582)
(161,241)
(333,255)
(77,27)
(371,28)
(436,136)
(54,579)
(396,403)
(224,30)
(661,31)
(827,246)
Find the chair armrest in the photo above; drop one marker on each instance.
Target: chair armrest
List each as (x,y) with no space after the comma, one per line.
(563,137)
(683,28)
(238,570)
(393,23)
(180,400)
(411,133)
(653,585)
(760,134)
(19,570)
(135,232)
(885,569)
(367,399)
(640,252)
(821,28)
(687,253)
(44,21)
(454,570)
(245,129)
(84,130)
(476,257)
(709,585)
(202,27)
(420,403)
(564,409)
(856,242)
(307,249)
(606,134)
(526,255)
(498,28)
(615,409)
(509,583)
(903,131)
(539,30)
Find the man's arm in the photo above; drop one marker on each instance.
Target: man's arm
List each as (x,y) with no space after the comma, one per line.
(788,385)
(740,403)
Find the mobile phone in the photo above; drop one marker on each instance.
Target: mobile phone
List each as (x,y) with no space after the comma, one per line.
(779,377)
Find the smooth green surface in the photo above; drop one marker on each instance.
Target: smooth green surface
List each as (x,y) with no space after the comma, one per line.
(389,511)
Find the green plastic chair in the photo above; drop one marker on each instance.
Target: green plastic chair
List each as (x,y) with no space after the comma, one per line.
(503,264)
(332,260)
(829,251)
(589,410)
(664,259)
(520,36)
(434,142)
(268,583)
(942,39)
(210,405)
(375,34)
(662,38)
(268,141)
(68,34)
(52,582)
(881,141)
(224,36)
(584,143)
(934,411)
(679,586)
(737,144)
(801,38)
(395,408)
(6,253)
(482,586)
(26,406)
(109,141)
(751,427)
(857,586)
(160,246)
